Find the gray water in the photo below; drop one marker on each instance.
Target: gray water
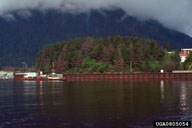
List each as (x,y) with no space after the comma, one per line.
(114,104)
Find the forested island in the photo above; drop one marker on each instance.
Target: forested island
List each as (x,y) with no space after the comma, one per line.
(104,55)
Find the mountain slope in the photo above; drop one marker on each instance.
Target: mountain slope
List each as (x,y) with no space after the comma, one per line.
(22,38)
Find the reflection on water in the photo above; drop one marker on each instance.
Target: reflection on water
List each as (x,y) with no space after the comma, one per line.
(183,97)
(162,90)
(184,103)
(93,104)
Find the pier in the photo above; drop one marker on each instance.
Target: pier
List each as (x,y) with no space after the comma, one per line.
(128,76)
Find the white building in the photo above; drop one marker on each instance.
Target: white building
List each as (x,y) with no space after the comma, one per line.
(186,50)
(30,75)
(6,75)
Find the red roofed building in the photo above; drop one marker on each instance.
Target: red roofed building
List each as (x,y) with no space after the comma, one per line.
(183,56)
(185,53)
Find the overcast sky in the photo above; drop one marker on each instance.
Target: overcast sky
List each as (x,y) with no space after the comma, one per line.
(175,14)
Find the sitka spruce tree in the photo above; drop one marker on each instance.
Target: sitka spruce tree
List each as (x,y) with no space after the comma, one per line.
(188,63)
(106,55)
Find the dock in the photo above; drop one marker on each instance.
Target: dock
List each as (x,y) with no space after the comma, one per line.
(129,76)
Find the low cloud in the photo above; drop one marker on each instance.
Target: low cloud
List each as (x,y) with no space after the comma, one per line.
(174,14)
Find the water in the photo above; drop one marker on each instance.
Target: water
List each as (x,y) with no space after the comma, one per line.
(133,104)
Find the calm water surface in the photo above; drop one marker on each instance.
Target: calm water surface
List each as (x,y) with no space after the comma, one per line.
(93,104)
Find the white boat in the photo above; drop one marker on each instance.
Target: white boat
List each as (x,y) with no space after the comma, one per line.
(53,76)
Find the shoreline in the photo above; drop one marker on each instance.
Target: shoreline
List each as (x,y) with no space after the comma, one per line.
(114,76)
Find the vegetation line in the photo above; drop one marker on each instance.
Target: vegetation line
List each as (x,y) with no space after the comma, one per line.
(114,54)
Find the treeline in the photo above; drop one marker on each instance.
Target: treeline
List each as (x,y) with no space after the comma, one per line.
(113,54)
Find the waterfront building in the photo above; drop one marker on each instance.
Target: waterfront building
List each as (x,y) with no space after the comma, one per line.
(30,75)
(183,56)
(6,75)
(185,52)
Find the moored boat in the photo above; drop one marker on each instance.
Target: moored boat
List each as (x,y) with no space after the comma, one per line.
(54,76)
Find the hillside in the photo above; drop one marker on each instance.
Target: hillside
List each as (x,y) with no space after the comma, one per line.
(22,38)
(115,54)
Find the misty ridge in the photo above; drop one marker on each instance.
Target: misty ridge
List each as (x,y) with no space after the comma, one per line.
(174,14)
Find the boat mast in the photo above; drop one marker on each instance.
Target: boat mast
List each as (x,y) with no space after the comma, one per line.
(53,67)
